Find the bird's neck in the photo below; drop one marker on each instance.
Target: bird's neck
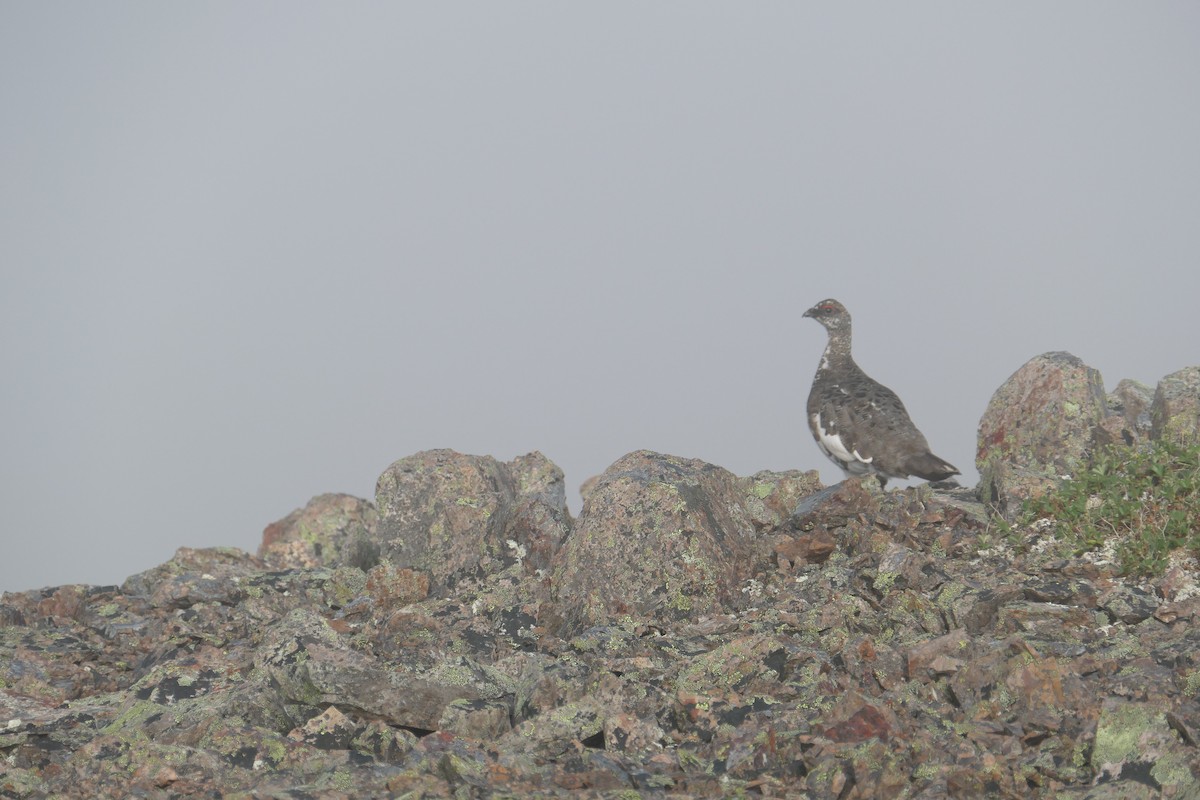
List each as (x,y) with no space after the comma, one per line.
(837,351)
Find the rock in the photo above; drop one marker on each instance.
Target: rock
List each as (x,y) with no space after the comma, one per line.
(585,488)
(329,730)
(480,719)
(915,654)
(309,666)
(1038,426)
(457,516)
(922,656)
(811,548)
(397,586)
(1175,411)
(209,575)
(1128,604)
(332,530)
(1131,402)
(771,497)
(660,537)
(1135,744)
(1113,431)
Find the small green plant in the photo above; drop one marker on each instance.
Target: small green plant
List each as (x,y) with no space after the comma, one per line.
(1145,499)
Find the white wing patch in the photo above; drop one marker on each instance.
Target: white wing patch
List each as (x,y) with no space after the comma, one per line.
(849,460)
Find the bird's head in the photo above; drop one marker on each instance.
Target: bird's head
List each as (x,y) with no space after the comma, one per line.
(830,313)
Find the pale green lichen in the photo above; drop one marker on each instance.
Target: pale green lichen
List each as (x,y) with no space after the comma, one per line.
(883,581)
(927,771)
(130,723)
(1123,733)
(1192,684)
(1119,732)
(343,780)
(344,585)
(276,750)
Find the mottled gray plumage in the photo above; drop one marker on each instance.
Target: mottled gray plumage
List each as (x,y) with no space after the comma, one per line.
(859,423)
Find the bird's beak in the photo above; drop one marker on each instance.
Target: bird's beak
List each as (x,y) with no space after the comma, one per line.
(807,313)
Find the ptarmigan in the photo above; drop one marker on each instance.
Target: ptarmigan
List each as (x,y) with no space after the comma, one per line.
(859,423)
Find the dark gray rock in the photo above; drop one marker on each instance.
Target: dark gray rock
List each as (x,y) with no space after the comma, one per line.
(1128,604)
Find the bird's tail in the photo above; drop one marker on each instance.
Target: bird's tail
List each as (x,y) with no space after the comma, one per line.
(930,467)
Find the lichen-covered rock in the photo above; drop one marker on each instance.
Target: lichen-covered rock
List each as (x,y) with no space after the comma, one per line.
(390,585)
(1037,427)
(195,575)
(659,537)
(1131,401)
(458,516)
(332,530)
(1175,411)
(1137,744)
(771,497)
(310,668)
(918,654)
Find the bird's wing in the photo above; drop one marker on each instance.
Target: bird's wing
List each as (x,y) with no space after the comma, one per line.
(870,422)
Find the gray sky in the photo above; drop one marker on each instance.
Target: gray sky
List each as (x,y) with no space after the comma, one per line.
(253,252)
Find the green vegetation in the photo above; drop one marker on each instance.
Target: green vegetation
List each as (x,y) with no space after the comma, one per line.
(1146,500)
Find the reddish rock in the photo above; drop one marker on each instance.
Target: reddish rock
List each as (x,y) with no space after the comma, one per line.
(1037,427)
(810,548)
(920,657)
(397,586)
(866,723)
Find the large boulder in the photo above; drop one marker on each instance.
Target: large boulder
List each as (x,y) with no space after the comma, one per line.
(457,516)
(1039,425)
(659,537)
(332,530)
(1175,412)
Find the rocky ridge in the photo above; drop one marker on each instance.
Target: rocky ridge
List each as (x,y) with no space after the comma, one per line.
(691,634)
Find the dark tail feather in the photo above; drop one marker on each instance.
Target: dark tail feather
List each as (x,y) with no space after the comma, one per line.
(930,467)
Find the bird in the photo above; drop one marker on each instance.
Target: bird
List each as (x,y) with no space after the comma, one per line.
(859,423)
